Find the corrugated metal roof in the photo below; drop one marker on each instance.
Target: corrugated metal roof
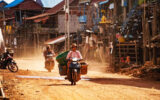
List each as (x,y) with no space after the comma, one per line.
(14,3)
(48,3)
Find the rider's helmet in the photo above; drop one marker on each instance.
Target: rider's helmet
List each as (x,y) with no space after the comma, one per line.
(74,45)
(48,47)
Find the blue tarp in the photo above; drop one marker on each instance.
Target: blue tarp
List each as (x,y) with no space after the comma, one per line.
(103,2)
(48,3)
(14,3)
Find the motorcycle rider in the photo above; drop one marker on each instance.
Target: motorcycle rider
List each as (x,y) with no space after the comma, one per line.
(74,53)
(48,51)
(5,55)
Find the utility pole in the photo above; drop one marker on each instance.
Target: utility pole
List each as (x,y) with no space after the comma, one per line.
(67,25)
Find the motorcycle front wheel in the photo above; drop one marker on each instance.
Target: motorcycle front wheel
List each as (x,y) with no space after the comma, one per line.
(13,67)
(74,77)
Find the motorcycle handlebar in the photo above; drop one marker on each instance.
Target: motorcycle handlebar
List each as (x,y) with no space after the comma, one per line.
(70,59)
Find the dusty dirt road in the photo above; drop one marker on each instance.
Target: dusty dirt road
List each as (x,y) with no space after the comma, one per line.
(99,86)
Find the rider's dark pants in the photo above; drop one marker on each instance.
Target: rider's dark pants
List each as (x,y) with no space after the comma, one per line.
(5,63)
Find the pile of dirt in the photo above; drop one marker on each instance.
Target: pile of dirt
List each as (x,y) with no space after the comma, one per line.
(148,71)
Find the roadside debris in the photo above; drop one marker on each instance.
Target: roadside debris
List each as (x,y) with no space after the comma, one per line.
(148,71)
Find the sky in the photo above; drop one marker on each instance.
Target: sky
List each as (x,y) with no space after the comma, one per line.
(46,3)
(9,1)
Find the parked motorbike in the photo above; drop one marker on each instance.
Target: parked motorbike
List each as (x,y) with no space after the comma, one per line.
(9,64)
(74,71)
(49,63)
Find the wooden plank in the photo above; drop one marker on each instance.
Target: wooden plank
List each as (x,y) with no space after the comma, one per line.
(125,45)
(130,57)
(1,78)
(128,49)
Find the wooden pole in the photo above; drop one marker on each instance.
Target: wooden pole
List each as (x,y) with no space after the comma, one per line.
(136,51)
(119,51)
(144,35)
(113,58)
(115,9)
(148,36)
(4,28)
(130,4)
(124,13)
(154,31)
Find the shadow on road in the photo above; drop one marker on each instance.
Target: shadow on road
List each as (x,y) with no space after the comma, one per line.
(129,82)
(58,85)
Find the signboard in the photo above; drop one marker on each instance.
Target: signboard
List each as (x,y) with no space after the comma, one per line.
(83,19)
(84,1)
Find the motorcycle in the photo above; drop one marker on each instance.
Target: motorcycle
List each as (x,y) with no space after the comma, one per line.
(74,71)
(9,64)
(49,63)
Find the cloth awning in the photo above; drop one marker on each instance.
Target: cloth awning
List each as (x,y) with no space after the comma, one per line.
(56,40)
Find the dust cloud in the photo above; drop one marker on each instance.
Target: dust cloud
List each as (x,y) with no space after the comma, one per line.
(35,61)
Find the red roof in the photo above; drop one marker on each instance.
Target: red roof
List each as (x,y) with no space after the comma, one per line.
(58,7)
(28,5)
(51,11)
